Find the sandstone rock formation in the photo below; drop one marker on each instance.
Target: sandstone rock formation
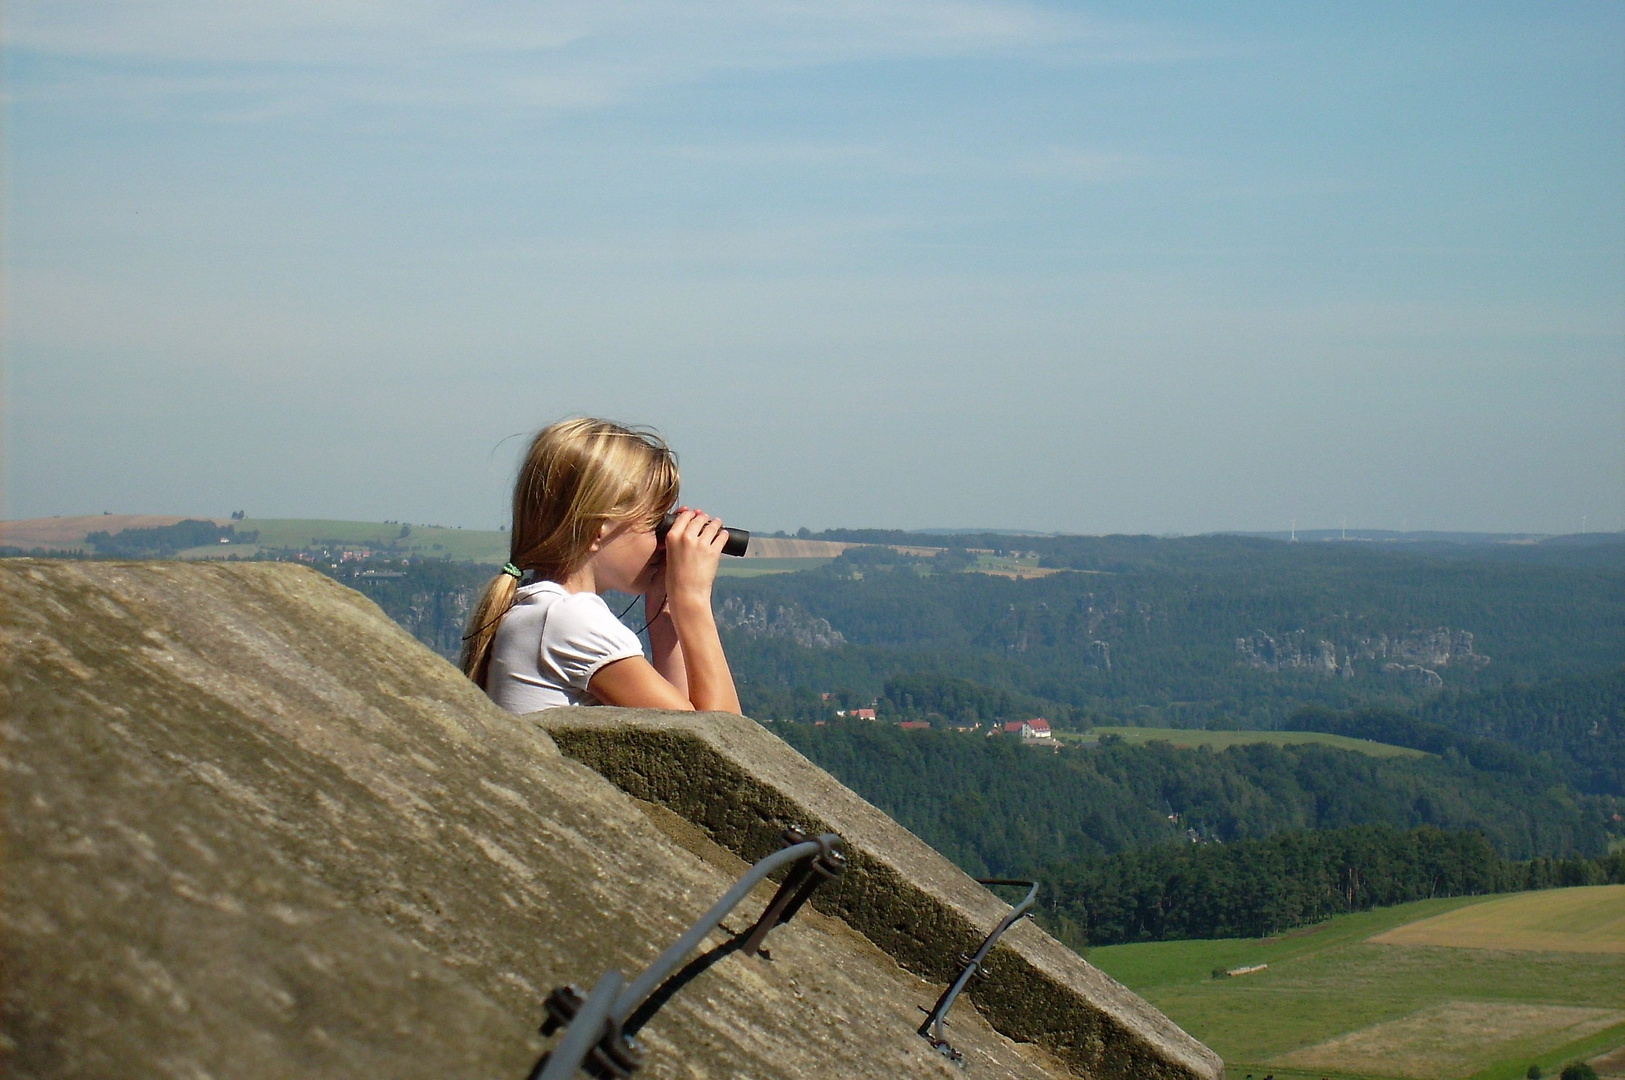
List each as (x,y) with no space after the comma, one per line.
(756,620)
(1411,656)
(253,829)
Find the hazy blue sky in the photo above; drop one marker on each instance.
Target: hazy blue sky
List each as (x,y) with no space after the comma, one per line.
(1081,267)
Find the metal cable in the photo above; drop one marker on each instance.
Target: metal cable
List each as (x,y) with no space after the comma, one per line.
(932,1028)
(596,1022)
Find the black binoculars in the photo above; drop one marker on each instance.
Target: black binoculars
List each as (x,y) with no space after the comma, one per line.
(738,539)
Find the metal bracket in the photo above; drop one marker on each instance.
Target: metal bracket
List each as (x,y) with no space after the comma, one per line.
(595,1038)
(797,887)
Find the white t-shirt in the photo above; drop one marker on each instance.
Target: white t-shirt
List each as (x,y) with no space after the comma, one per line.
(549,646)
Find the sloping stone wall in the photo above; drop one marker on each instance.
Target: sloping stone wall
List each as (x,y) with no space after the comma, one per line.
(742,784)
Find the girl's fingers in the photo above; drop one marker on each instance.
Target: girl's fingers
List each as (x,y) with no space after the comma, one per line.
(696,523)
(691,521)
(695,535)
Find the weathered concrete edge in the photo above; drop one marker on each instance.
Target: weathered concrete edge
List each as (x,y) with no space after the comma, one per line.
(733,778)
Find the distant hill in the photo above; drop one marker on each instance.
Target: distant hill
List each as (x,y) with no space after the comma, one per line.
(485,546)
(69,532)
(1214,631)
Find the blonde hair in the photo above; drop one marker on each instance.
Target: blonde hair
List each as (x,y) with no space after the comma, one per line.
(578,475)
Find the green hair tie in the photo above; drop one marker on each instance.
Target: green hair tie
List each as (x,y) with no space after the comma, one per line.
(510,568)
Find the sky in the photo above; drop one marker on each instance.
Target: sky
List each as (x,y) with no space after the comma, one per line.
(1151,267)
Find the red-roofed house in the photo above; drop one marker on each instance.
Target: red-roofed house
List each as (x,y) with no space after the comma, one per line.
(1037,728)
(915,725)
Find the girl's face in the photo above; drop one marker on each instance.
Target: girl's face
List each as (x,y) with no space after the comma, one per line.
(625,559)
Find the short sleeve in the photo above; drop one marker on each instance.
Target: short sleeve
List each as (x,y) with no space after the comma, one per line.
(581,636)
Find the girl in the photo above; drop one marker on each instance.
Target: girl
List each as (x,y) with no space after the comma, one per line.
(585,507)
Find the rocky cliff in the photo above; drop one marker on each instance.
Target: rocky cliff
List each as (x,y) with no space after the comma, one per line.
(253,829)
(1411,656)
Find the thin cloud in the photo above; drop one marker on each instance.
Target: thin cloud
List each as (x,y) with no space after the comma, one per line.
(546,56)
(1077,165)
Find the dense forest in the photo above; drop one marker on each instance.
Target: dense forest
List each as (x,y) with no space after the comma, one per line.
(165,540)
(1205,631)
(1149,842)
(997,806)
(1256,888)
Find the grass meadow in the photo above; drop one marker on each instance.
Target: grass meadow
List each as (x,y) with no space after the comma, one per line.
(750,567)
(1219,740)
(459,545)
(1446,989)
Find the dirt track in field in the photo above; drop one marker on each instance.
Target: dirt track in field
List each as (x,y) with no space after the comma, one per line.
(1450,1040)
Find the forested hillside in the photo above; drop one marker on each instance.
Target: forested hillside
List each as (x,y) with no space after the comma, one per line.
(1256,888)
(1149,842)
(1579,720)
(997,806)
(1221,631)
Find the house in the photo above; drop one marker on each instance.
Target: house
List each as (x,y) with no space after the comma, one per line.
(911,725)
(862,714)
(1036,728)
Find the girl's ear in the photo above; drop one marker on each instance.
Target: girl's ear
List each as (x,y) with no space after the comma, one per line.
(604,529)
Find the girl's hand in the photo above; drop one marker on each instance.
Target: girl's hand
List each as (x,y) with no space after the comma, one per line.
(693,549)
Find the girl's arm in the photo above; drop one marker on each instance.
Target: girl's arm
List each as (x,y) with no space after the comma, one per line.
(693,650)
(634,683)
(663,643)
(693,549)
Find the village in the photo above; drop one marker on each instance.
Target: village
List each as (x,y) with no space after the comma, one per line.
(1035,730)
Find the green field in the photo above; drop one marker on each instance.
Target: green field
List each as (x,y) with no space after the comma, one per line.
(1334,1003)
(1219,740)
(459,545)
(758,567)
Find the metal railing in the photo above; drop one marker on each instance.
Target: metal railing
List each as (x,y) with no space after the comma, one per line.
(599,1024)
(931,1030)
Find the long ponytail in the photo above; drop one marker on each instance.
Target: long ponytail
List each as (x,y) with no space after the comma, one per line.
(495,600)
(577,475)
